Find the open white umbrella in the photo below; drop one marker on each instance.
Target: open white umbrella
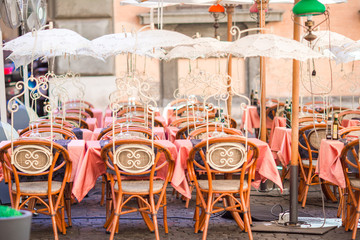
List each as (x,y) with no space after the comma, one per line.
(270,45)
(149,45)
(47,43)
(148,40)
(199,48)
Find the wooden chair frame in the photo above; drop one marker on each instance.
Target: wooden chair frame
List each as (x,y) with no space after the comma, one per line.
(308,177)
(67,135)
(146,200)
(351,210)
(55,206)
(207,198)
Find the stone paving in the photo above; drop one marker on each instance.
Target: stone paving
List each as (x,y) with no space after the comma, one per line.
(89,217)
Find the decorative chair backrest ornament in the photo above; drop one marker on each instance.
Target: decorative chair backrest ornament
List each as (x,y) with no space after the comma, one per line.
(39,86)
(134,158)
(32,159)
(133,89)
(218,94)
(226,157)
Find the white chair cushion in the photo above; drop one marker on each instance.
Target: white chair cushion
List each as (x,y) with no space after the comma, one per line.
(37,187)
(355,183)
(142,186)
(306,162)
(222,185)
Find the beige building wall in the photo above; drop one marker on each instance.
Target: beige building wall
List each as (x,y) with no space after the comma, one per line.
(331,78)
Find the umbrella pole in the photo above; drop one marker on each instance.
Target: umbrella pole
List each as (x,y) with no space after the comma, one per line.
(2,83)
(295,132)
(262,7)
(229,11)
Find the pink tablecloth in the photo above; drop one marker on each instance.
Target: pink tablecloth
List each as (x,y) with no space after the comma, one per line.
(281,144)
(254,119)
(277,122)
(93,167)
(329,165)
(98,114)
(265,166)
(92,122)
(349,123)
(171,133)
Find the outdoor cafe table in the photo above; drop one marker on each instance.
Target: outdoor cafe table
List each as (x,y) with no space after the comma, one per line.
(76,150)
(281,144)
(93,167)
(265,166)
(253,120)
(329,166)
(92,123)
(98,114)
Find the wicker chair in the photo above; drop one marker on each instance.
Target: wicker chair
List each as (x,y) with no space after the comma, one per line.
(34,159)
(137,121)
(126,110)
(76,122)
(139,132)
(224,156)
(84,113)
(310,143)
(350,132)
(45,125)
(128,167)
(213,131)
(351,168)
(275,111)
(58,133)
(349,114)
(305,121)
(78,104)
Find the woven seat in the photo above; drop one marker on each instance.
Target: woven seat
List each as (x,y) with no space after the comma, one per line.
(222,185)
(306,162)
(139,186)
(355,183)
(38,187)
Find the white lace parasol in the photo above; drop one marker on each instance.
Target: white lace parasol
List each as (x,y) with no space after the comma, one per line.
(270,45)
(199,48)
(47,43)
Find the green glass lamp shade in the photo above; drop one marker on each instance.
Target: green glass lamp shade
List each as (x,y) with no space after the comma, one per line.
(308,8)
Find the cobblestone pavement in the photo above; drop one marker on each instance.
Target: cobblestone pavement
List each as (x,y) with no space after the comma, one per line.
(89,217)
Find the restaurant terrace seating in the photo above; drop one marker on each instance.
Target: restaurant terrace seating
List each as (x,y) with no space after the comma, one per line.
(223,156)
(38,174)
(130,160)
(351,168)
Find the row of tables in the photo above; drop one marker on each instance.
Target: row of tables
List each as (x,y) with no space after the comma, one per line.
(88,165)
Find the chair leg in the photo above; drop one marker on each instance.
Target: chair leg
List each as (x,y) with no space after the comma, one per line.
(103,184)
(156,228)
(117,210)
(145,216)
(165,215)
(356,221)
(306,190)
(206,225)
(196,213)
(208,211)
(67,196)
